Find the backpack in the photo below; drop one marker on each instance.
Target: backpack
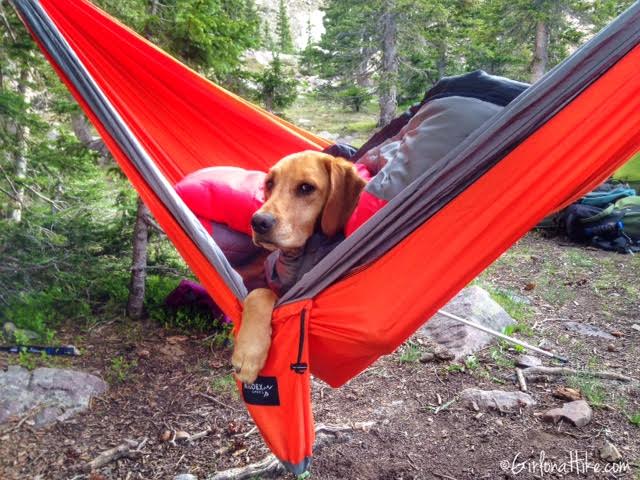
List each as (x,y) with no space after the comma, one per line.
(615,228)
(606,194)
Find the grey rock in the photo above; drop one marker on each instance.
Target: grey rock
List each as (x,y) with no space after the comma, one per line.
(578,413)
(58,394)
(185,476)
(609,452)
(8,328)
(11,332)
(328,135)
(305,19)
(527,361)
(588,330)
(496,400)
(472,303)
(427,357)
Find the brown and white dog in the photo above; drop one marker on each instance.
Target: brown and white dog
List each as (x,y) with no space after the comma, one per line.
(304,192)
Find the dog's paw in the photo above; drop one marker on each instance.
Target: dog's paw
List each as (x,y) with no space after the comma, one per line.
(248,360)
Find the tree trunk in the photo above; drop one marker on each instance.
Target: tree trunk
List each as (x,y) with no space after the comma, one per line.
(137,283)
(268,103)
(541,53)
(363,71)
(19,155)
(82,130)
(135,303)
(389,73)
(153,8)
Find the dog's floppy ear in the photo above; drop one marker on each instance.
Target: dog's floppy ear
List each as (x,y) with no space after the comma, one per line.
(345,186)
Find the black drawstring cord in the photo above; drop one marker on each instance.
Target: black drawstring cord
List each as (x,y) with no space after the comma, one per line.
(299,366)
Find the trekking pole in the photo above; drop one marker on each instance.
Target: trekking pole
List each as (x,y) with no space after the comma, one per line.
(502,336)
(68,350)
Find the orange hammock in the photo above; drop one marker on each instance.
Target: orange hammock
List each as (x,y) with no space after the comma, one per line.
(162,121)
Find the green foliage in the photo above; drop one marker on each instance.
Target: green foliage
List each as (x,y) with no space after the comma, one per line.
(411,353)
(283,30)
(454,368)
(69,257)
(634,419)
(266,39)
(499,356)
(209,35)
(277,88)
(26,360)
(518,327)
(471,362)
(592,389)
(512,304)
(224,385)
(448,37)
(120,369)
(213,33)
(186,319)
(354,97)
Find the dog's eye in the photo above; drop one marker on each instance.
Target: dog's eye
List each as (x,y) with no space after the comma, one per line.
(268,185)
(306,188)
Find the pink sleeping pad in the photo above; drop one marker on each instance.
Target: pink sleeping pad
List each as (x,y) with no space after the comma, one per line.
(231,195)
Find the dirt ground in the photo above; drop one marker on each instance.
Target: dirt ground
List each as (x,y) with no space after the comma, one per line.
(162,380)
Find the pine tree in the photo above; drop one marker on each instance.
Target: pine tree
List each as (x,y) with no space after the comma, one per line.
(266,39)
(283,30)
(278,89)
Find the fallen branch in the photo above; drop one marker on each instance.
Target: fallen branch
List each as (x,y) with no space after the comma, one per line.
(325,434)
(215,400)
(535,371)
(199,435)
(521,380)
(27,416)
(53,203)
(128,449)
(11,196)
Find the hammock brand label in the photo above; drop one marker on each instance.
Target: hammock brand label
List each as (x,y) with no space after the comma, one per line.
(264,391)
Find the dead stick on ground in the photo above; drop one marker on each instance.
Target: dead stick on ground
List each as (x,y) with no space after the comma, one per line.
(29,414)
(521,380)
(199,435)
(507,338)
(127,449)
(442,475)
(215,400)
(532,371)
(325,434)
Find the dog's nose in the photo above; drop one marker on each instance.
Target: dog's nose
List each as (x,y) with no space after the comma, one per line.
(262,222)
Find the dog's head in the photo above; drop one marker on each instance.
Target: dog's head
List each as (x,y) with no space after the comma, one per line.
(304,192)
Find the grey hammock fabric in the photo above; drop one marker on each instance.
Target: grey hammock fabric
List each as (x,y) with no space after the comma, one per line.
(436,129)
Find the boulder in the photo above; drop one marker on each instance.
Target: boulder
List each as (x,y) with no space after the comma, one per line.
(578,413)
(588,330)
(13,333)
(496,400)
(528,361)
(58,394)
(610,453)
(474,304)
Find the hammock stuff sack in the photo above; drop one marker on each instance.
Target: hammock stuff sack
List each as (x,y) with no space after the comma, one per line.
(161,121)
